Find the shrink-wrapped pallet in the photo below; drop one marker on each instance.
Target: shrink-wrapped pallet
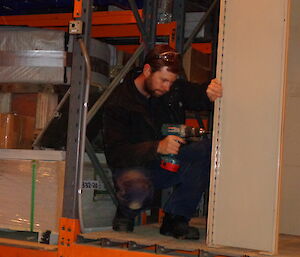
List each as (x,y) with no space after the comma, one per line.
(46,104)
(30,55)
(33,55)
(16,131)
(32,189)
(10,130)
(5,102)
(31,194)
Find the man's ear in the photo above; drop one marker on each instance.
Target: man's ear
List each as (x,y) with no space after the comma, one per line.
(147,70)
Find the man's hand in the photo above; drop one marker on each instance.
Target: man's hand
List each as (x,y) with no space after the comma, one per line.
(214,90)
(170,145)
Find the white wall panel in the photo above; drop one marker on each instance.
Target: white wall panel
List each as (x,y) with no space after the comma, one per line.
(290,202)
(248,124)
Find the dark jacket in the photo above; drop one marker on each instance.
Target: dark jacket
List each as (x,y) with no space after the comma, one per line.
(132,123)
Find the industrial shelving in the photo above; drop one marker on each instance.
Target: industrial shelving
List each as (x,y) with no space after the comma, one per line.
(99,25)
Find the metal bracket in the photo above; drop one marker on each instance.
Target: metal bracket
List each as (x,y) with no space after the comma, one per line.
(133,246)
(77,9)
(105,242)
(75,27)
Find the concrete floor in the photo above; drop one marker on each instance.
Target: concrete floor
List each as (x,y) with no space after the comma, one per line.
(98,213)
(289,246)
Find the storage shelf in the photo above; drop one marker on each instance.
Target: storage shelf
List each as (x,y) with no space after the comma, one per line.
(45,155)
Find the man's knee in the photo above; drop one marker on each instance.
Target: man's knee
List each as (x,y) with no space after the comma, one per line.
(196,151)
(134,189)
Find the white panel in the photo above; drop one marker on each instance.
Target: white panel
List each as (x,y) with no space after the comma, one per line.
(247,130)
(290,202)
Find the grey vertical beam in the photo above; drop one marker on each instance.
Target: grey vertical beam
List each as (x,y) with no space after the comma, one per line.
(150,21)
(114,84)
(100,171)
(215,33)
(199,25)
(76,123)
(138,19)
(179,17)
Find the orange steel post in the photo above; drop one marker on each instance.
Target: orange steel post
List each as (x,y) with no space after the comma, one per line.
(118,23)
(161,215)
(62,19)
(203,47)
(68,232)
(18,251)
(114,17)
(77,13)
(143,218)
(92,251)
(127,48)
(168,29)
(37,20)
(104,23)
(79,250)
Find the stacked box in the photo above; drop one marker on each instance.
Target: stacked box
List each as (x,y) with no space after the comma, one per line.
(197,66)
(19,184)
(18,210)
(10,130)
(16,131)
(30,55)
(34,55)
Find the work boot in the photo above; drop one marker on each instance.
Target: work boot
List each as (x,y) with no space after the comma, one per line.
(122,223)
(178,227)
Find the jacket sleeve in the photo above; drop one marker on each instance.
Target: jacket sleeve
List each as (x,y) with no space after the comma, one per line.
(193,96)
(119,151)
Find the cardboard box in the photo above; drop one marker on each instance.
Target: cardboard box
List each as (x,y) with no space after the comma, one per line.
(24,103)
(16,186)
(10,130)
(46,104)
(5,102)
(18,211)
(28,132)
(16,131)
(197,66)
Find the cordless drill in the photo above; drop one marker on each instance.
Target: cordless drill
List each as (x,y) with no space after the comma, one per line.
(169,161)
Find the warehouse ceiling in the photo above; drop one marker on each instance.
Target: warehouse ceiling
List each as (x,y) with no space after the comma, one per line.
(18,7)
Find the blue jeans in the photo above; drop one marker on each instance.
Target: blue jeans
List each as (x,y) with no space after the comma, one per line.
(135,186)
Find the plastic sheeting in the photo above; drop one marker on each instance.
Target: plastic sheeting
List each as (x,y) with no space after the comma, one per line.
(20,38)
(32,55)
(17,39)
(18,210)
(14,7)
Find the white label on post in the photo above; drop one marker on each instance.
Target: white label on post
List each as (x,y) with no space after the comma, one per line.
(92,185)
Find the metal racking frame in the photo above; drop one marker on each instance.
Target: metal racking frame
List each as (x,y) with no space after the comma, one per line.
(96,25)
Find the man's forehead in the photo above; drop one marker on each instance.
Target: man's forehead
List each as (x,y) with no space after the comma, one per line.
(165,70)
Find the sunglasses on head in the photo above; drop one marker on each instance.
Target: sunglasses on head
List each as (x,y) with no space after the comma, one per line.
(169,56)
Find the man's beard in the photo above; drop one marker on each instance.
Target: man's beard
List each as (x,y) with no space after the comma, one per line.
(149,88)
